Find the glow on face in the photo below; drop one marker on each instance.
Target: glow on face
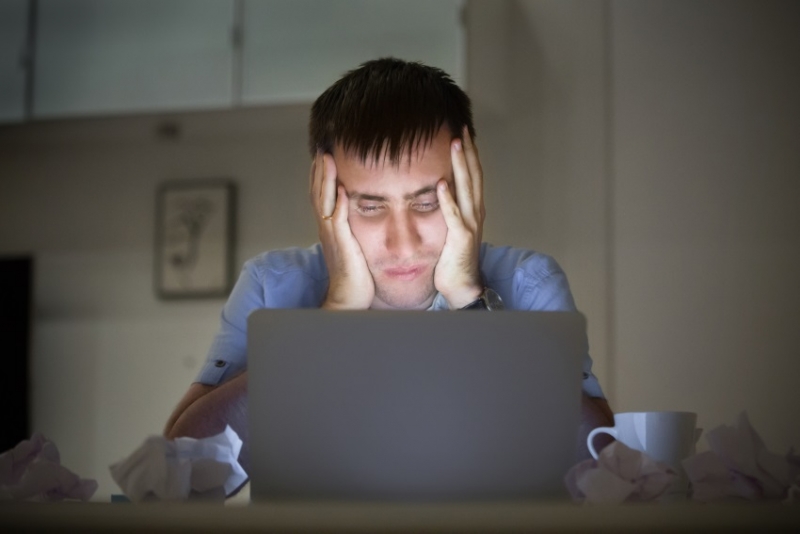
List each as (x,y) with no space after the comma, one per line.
(395,217)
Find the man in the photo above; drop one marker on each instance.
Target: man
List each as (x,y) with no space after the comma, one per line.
(397,191)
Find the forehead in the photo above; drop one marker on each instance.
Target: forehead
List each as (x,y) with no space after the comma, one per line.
(423,166)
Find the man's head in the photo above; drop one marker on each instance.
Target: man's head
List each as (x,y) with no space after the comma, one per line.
(386,108)
(389,126)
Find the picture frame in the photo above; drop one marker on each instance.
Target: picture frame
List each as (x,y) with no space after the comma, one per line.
(195,237)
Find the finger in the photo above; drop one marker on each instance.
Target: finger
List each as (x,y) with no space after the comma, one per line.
(475,169)
(341,225)
(311,175)
(318,184)
(449,208)
(463,183)
(313,192)
(342,206)
(328,203)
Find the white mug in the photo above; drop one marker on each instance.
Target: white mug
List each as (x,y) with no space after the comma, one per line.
(667,437)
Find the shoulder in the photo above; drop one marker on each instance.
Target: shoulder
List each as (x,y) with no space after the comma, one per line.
(526,279)
(506,262)
(289,278)
(289,261)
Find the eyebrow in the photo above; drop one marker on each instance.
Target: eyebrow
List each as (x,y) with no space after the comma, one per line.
(377,198)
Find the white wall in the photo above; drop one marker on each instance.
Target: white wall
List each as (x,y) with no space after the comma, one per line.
(109,359)
(706,189)
(649,146)
(549,190)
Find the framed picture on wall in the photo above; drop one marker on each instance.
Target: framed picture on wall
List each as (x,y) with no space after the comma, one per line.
(195,238)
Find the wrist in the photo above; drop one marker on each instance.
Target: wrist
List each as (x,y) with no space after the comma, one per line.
(340,298)
(458,299)
(330,304)
(488,300)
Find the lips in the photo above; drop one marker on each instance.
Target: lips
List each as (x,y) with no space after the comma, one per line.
(404,273)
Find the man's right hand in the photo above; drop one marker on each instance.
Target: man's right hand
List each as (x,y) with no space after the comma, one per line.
(350,286)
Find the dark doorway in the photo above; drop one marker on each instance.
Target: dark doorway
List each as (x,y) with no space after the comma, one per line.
(16,293)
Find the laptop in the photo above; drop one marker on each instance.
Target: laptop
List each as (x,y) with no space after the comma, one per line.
(413,406)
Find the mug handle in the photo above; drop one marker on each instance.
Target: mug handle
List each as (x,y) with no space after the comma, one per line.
(610,430)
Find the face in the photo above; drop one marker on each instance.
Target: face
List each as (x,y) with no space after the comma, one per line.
(395,217)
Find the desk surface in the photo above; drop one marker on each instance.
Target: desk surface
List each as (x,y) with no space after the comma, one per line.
(351,517)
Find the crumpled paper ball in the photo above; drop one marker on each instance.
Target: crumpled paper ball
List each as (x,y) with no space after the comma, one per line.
(32,471)
(181,469)
(620,474)
(738,465)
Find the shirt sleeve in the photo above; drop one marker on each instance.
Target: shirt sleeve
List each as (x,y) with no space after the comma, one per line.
(227,356)
(550,291)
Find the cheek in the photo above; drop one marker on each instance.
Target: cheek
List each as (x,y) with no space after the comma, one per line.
(368,235)
(433,230)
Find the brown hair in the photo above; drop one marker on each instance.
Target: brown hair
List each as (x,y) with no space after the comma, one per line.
(388,107)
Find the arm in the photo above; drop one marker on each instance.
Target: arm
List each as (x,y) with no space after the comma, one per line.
(595,412)
(457,275)
(350,285)
(464,216)
(205,410)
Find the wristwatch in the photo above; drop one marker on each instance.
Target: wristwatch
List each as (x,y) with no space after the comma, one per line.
(488,300)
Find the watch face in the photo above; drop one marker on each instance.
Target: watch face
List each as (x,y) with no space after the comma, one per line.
(492,300)
(489,300)
(479,304)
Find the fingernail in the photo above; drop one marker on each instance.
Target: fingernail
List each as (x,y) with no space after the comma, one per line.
(457,145)
(442,186)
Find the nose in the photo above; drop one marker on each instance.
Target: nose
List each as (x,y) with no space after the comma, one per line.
(402,236)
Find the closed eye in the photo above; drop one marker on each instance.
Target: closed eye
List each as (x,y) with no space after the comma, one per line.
(369,210)
(425,206)
(425,202)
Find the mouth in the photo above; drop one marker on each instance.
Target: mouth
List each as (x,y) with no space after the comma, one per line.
(404,273)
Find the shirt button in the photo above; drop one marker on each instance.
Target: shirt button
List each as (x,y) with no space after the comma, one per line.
(220,363)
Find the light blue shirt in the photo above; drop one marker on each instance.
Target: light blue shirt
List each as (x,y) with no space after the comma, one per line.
(298,278)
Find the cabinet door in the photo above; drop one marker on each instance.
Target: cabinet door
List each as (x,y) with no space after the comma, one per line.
(294,49)
(13,36)
(97,56)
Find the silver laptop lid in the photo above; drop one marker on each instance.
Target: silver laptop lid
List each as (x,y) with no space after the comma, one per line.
(413,406)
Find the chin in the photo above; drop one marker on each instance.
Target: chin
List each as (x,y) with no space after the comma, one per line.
(406,298)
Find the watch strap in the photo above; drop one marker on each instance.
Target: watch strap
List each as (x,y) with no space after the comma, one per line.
(487,300)
(477,304)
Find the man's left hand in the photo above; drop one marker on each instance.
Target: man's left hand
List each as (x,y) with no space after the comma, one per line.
(457,275)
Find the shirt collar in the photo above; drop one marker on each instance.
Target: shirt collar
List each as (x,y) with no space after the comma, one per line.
(439,303)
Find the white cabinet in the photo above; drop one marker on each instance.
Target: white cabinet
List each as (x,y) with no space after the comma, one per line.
(98,56)
(13,39)
(125,56)
(294,49)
